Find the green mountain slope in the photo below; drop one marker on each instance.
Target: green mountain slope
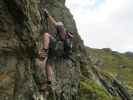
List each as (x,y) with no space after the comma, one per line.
(117,64)
(110,66)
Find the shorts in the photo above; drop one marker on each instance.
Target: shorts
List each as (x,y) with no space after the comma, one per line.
(56,49)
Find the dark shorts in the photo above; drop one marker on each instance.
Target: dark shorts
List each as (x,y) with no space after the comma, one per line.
(56,49)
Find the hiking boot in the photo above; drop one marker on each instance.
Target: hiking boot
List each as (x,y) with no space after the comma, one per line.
(46,86)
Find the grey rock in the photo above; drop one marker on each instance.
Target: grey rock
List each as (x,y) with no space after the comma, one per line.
(21,25)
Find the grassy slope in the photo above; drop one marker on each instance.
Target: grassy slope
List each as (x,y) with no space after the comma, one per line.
(90,90)
(110,63)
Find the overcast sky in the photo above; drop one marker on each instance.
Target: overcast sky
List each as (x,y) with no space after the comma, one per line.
(104,23)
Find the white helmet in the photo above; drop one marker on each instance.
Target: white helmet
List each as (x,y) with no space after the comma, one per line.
(59,24)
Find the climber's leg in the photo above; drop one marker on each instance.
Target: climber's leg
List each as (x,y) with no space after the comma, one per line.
(49,71)
(46,67)
(46,86)
(43,52)
(46,40)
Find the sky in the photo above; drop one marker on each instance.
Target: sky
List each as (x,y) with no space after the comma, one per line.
(104,23)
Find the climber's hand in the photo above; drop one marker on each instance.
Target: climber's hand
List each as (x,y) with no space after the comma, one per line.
(42,54)
(46,12)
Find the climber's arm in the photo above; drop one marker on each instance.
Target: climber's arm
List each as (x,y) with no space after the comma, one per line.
(50,18)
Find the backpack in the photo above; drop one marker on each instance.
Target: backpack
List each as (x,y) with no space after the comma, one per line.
(60,47)
(68,43)
(65,37)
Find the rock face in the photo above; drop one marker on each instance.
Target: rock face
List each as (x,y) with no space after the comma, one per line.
(21,25)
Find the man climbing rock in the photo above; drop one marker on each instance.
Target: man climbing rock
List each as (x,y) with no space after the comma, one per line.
(57,44)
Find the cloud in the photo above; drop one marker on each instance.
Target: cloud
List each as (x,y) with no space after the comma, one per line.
(104,23)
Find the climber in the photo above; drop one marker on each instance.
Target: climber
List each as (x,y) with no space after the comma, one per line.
(48,39)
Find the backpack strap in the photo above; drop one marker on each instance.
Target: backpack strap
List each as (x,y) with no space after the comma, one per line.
(69,35)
